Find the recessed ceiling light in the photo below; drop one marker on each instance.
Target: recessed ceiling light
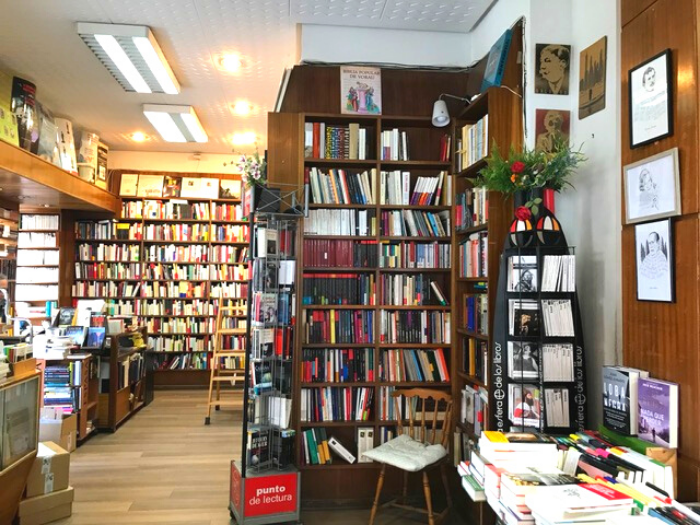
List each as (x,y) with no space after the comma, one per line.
(132,55)
(242,139)
(175,123)
(47,205)
(242,108)
(139,136)
(230,62)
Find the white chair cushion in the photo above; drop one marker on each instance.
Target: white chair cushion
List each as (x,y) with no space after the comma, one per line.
(406,453)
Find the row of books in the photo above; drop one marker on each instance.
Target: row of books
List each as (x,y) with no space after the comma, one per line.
(185,325)
(162,210)
(414,365)
(170,232)
(175,307)
(340,186)
(265,343)
(394,144)
(415,327)
(338,326)
(101,253)
(339,288)
(37,240)
(559,273)
(183,361)
(227,212)
(474,407)
(37,258)
(395,188)
(411,290)
(415,223)
(336,403)
(391,408)
(524,318)
(30,221)
(476,313)
(471,208)
(184,343)
(635,404)
(325,141)
(109,252)
(474,145)
(475,359)
(395,254)
(174,289)
(350,222)
(473,256)
(552,363)
(337,365)
(59,382)
(105,289)
(338,253)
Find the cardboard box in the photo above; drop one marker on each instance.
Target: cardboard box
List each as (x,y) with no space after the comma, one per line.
(46,508)
(49,472)
(63,431)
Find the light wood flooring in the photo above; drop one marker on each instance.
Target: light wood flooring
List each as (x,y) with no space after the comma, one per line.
(165,466)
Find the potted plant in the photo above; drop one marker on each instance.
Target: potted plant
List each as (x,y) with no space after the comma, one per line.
(528,174)
(253,169)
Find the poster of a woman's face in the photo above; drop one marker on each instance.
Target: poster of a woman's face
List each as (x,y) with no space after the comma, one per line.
(652,188)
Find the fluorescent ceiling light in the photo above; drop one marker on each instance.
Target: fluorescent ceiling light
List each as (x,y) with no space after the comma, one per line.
(175,123)
(132,55)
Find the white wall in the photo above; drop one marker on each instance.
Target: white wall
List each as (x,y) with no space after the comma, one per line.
(392,46)
(590,214)
(162,161)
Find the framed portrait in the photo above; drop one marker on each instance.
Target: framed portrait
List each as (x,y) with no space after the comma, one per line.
(654,250)
(593,64)
(552,65)
(552,127)
(651,100)
(523,360)
(653,188)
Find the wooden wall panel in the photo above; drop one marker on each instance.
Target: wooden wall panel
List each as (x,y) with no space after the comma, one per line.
(664,338)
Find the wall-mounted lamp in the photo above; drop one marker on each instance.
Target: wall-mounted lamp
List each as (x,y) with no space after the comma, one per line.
(441,117)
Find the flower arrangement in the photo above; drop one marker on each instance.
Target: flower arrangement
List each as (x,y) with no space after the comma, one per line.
(253,169)
(530,170)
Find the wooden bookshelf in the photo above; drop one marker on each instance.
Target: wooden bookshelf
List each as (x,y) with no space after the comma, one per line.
(504,110)
(207,273)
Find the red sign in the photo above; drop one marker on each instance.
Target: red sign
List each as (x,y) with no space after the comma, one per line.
(275,494)
(235,487)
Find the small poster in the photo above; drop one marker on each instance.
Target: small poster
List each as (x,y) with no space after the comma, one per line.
(360,90)
(592,66)
(209,188)
(150,186)
(190,187)
(552,127)
(128,185)
(230,189)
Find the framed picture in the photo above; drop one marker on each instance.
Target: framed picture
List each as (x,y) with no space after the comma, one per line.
(150,186)
(652,188)
(552,126)
(552,64)
(654,247)
(650,94)
(593,63)
(360,90)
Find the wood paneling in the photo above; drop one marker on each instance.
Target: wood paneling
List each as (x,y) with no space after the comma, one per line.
(664,337)
(30,180)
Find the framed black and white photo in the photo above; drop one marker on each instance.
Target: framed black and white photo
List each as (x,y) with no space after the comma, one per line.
(651,100)
(654,247)
(523,360)
(652,188)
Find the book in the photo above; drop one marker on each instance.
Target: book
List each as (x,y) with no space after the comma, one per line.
(620,398)
(191,187)
(171,187)
(524,405)
(496,62)
(150,186)
(339,449)
(95,337)
(523,360)
(556,503)
(360,90)
(658,412)
(365,443)
(524,317)
(128,185)
(8,126)
(66,145)
(522,273)
(77,334)
(230,189)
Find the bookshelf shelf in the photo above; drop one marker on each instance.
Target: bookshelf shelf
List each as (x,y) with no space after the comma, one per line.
(414,207)
(471,171)
(416,239)
(472,279)
(309,424)
(339,163)
(474,229)
(341,466)
(472,379)
(337,345)
(339,306)
(427,164)
(416,307)
(415,345)
(343,269)
(314,206)
(473,335)
(337,383)
(415,270)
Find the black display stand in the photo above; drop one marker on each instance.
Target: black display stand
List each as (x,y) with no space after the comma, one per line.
(537,238)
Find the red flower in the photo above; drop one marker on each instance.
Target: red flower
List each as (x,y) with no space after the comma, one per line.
(523,214)
(517,167)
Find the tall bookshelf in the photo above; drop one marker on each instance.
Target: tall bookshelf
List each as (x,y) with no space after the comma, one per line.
(379,258)
(172,262)
(502,110)
(38,265)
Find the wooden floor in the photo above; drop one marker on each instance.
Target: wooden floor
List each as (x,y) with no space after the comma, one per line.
(165,466)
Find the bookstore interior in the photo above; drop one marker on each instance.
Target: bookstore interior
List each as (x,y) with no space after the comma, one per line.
(349,262)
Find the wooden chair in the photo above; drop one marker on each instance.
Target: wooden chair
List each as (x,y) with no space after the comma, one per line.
(423,431)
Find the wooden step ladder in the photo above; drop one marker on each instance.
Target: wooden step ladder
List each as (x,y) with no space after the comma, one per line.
(219,374)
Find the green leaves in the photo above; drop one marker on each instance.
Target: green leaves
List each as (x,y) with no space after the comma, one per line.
(533,204)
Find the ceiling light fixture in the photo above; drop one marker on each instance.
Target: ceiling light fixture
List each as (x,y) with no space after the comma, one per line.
(175,123)
(242,108)
(230,62)
(132,55)
(243,139)
(139,136)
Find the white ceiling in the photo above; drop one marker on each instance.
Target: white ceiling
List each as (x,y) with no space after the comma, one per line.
(38,41)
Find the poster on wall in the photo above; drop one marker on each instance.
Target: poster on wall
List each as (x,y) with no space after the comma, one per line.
(651,115)
(360,90)
(150,186)
(592,65)
(552,68)
(652,188)
(552,127)
(654,248)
